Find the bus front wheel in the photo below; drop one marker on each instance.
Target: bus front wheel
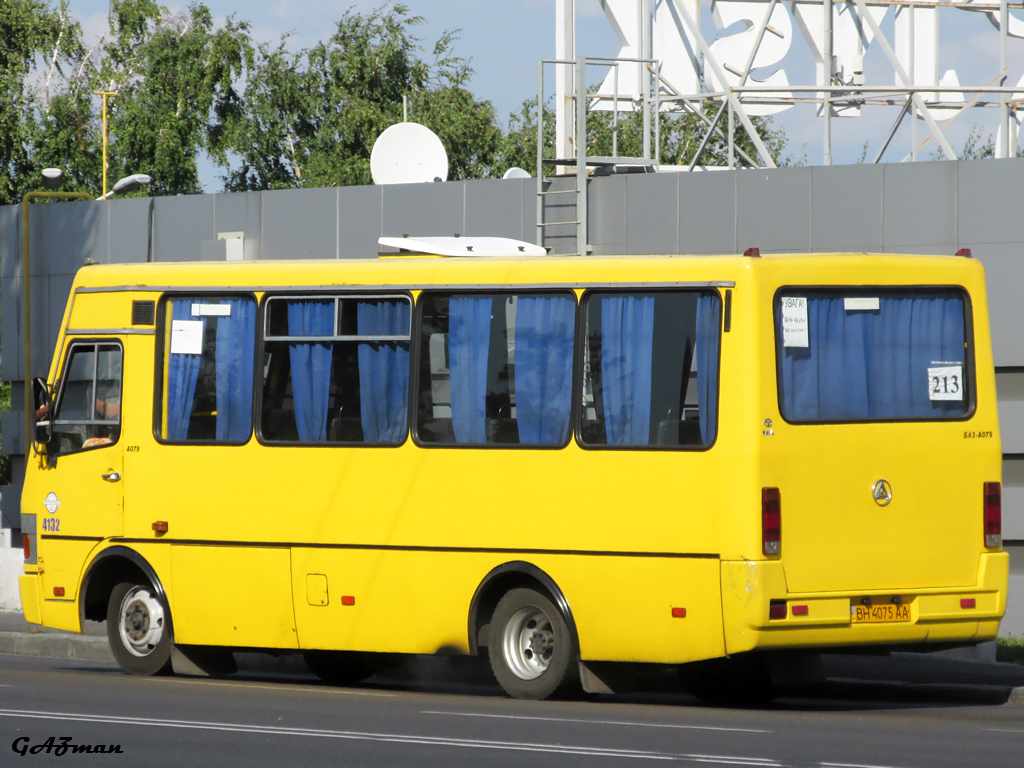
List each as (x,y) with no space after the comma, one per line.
(530,647)
(138,628)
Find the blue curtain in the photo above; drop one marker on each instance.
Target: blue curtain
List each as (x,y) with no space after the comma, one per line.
(872,364)
(233,359)
(310,367)
(543,367)
(709,324)
(627,349)
(383,370)
(469,338)
(182,374)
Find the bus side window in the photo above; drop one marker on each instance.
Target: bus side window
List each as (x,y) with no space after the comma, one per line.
(496,369)
(208,369)
(88,411)
(650,373)
(336,370)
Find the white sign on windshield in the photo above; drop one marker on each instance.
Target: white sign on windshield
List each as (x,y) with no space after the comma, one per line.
(794,321)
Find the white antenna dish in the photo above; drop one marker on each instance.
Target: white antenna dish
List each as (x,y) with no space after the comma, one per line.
(516,173)
(408,153)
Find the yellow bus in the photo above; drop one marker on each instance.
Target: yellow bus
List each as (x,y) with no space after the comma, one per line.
(566,463)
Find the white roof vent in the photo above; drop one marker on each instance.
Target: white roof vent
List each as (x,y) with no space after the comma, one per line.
(464,246)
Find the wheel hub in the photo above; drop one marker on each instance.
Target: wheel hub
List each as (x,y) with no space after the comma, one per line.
(142,621)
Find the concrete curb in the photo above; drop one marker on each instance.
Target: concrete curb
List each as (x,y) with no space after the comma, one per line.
(56,645)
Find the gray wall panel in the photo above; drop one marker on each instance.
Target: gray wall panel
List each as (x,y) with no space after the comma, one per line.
(988,202)
(10,240)
(359,222)
(1004,275)
(652,206)
(132,227)
(60,238)
(919,202)
(846,208)
(495,208)
(424,209)
(241,212)
(707,212)
(1011,425)
(300,224)
(180,226)
(774,210)
(606,233)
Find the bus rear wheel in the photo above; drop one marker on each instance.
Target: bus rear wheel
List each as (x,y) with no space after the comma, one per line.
(530,647)
(138,628)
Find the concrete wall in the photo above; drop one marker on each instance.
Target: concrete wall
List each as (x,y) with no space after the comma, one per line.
(936,207)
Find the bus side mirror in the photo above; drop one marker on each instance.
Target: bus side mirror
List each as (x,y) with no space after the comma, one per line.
(43,427)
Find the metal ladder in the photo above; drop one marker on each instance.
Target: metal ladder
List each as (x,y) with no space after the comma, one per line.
(581,161)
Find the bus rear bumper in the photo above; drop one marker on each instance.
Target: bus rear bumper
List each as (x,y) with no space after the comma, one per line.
(828,619)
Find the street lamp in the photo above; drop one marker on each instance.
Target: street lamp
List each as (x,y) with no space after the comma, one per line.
(52,179)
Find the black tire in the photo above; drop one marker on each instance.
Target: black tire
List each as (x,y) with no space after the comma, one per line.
(139,629)
(338,667)
(531,649)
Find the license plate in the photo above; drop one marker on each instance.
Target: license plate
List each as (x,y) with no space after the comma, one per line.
(888,612)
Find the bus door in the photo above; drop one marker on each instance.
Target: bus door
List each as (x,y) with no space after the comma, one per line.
(80,494)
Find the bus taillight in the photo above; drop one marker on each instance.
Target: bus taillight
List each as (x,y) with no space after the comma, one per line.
(771,521)
(993,515)
(26,543)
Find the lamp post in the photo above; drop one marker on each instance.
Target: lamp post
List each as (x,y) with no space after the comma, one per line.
(105,95)
(52,178)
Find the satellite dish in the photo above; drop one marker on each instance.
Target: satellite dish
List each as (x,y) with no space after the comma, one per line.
(408,153)
(516,173)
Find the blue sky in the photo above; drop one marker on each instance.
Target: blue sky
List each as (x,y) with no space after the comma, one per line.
(506,40)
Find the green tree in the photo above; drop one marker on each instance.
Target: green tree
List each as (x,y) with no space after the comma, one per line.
(311,118)
(174,76)
(39,45)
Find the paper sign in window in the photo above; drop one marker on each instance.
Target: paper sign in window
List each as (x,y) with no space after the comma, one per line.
(186,337)
(211,310)
(860,303)
(794,321)
(946,382)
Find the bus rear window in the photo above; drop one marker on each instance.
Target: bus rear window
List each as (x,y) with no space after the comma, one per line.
(863,355)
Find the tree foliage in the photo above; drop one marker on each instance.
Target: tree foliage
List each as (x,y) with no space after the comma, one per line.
(311,118)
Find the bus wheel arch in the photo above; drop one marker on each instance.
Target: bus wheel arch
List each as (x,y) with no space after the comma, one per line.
(523,618)
(123,588)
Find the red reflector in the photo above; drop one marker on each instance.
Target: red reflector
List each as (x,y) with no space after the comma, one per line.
(752,252)
(58,591)
(967,602)
(777,609)
(26,544)
(348,600)
(993,515)
(799,610)
(160,526)
(678,613)
(964,252)
(771,521)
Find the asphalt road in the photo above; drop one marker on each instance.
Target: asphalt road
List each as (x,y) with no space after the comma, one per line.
(410,721)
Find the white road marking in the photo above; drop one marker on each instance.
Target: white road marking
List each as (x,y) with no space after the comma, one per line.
(852,765)
(1003,730)
(395,738)
(596,722)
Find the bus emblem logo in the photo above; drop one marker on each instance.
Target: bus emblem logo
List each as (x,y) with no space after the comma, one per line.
(881,492)
(51,502)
